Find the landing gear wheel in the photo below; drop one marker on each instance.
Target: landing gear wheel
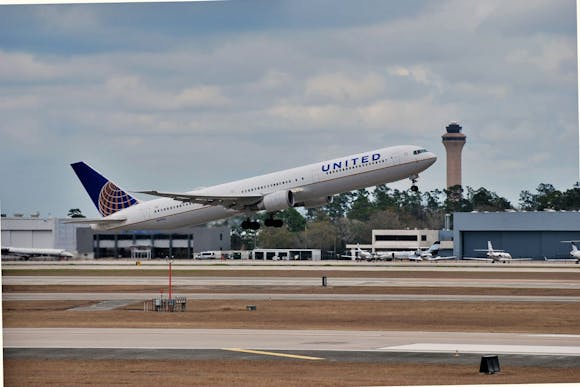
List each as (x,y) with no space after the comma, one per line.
(414,188)
(271,222)
(248,224)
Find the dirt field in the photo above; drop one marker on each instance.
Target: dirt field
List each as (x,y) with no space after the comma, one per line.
(262,373)
(354,315)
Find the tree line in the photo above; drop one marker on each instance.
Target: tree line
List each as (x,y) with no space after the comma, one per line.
(350,217)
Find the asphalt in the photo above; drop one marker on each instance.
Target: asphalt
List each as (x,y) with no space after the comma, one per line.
(506,361)
(291,281)
(118,299)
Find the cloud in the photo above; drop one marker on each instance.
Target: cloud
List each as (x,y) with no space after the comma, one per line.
(275,87)
(340,87)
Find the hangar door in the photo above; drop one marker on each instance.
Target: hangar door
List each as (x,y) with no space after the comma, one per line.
(520,244)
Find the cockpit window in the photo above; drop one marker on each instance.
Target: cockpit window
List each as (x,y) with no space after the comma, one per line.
(419,151)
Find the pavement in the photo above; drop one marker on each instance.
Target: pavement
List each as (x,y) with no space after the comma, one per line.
(295,340)
(135,297)
(292,281)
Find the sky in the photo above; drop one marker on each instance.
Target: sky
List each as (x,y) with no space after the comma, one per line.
(174,96)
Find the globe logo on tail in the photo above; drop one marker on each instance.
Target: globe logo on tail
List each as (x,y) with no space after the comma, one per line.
(113,199)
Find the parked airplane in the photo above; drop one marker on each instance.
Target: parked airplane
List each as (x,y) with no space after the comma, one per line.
(574,253)
(494,255)
(429,254)
(29,252)
(309,186)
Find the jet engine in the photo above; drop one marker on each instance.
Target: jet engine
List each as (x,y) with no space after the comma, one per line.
(277,201)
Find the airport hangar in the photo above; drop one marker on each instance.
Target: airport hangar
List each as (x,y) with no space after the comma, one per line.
(523,234)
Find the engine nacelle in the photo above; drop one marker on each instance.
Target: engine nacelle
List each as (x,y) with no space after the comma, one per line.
(277,201)
(318,202)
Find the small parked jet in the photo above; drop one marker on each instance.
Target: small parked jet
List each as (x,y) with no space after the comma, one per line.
(29,252)
(309,186)
(494,255)
(428,254)
(574,253)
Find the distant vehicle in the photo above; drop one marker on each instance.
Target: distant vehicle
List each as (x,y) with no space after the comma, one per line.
(29,252)
(574,253)
(494,255)
(205,255)
(309,186)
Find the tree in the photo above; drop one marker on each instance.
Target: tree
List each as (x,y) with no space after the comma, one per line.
(338,206)
(293,219)
(361,207)
(484,200)
(272,237)
(383,197)
(75,213)
(321,235)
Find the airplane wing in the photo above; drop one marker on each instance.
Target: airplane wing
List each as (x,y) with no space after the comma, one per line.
(478,259)
(560,260)
(233,202)
(442,258)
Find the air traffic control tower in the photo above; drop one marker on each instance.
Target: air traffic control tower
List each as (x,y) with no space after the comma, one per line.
(453,140)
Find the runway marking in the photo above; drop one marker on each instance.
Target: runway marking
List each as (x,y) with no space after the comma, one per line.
(273,354)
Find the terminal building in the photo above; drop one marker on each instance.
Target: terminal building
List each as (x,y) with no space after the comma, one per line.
(523,234)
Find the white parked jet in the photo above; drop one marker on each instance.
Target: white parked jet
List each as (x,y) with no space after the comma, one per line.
(429,254)
(494,255)
(29,252)
(309,186)
(574,253)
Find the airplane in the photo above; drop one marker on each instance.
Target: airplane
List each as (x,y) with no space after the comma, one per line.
(574,253)
(29,252)
(308,186)
(496,255)
(428,254)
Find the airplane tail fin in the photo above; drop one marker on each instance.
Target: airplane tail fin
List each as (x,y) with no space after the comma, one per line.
(574,247)
(434,249)
(107,197)
(489,246)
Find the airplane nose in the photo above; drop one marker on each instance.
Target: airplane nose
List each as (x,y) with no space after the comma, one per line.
(431,157)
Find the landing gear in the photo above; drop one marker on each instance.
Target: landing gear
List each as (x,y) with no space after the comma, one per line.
(252,225)
(414,179)
(271,222)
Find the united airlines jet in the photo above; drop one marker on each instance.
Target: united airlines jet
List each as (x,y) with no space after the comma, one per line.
(309,186)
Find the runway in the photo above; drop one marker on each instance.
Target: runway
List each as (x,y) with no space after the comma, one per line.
(294,340)
(124,296)
(291,281)
(185,264)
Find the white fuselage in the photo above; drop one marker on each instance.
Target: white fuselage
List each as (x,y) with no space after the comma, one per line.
(500,257)
(309,184)
(32,251)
